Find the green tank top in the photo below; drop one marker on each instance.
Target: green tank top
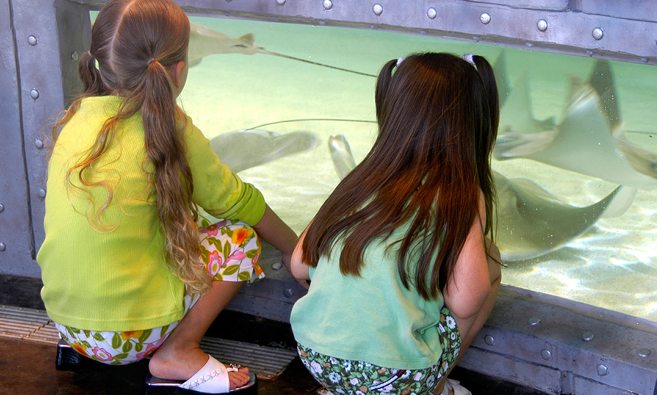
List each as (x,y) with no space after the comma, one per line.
(371,318)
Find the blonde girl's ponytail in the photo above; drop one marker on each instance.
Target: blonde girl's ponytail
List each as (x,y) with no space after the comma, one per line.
(165,148)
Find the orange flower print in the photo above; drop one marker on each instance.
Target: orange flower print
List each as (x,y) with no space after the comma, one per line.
(131,335)
(214,262)
(79,348)
(257,268)
(240,235)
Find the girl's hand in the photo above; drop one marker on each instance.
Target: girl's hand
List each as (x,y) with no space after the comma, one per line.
(287,261)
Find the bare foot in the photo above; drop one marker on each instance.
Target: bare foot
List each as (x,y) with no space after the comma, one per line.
(239,378)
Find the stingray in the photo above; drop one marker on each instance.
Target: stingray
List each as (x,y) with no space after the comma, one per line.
(205,42)
(343,160)
(589,140)
(530,221)
(244,149)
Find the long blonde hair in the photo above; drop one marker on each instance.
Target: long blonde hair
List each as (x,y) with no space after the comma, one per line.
(136,44)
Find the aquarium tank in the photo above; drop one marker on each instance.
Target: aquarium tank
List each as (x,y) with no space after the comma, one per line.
(290,107)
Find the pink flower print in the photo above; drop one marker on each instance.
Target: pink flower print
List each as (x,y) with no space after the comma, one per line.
(213,229)
(150,349)
(101,354)
(238,255)
(214,262)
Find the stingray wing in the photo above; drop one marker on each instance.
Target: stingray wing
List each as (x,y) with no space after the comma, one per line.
(531,222)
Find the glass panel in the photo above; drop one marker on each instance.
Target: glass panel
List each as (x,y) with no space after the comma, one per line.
(564,229)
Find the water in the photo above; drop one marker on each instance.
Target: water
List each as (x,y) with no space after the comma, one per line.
(612,265)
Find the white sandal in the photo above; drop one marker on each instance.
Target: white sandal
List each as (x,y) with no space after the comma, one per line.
(212,378)
(456,387)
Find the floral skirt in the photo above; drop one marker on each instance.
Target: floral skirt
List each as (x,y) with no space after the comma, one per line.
(343,376)
(229,249)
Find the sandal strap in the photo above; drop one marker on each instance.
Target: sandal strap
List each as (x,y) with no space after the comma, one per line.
(212,378)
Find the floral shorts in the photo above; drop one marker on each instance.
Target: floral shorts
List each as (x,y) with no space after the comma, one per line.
(343,376)
(229,249)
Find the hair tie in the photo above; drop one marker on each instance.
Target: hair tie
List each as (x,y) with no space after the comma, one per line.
(469,58)
(399,61)
(151,61)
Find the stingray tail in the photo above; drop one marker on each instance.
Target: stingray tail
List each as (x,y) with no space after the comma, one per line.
(264,51)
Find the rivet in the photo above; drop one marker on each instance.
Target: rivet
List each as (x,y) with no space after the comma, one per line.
(485,18)
(490,340)
(476,38)
(587,336)
(328,4)
(644,60)
(38,143)
(75,56)
(542,25)
(534,321)
(529,44)
(34,94)
(432,13)
(589,52)
(42,193)
(644,352)
(3,247)
(602,370)
(423,32)
(598,33)
(280,2)
(2,207)
(32,40)
(277,265)
(288,292)
(546,354)
(378,9)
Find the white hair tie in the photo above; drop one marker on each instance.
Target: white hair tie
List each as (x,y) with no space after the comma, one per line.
(399,61)
(469,58)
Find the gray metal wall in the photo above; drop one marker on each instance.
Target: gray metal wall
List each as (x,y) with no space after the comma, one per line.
(39,45)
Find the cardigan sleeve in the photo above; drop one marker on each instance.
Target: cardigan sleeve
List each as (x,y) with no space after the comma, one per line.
(216,188)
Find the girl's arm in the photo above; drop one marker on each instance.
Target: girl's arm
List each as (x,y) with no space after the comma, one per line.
(277,233)
(476,278)
(300,270)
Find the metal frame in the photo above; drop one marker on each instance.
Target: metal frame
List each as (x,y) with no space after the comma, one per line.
(564,347)
(39,51)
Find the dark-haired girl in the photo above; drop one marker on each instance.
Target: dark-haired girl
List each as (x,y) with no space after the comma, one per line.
(127,272)
(403,271)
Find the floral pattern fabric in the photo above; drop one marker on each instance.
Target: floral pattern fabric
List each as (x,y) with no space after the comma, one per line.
(343,376)
(229,249)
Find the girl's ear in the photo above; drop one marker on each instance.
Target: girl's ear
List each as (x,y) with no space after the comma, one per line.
(176,70)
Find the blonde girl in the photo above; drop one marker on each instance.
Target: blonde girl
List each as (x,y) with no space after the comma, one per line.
(127,273)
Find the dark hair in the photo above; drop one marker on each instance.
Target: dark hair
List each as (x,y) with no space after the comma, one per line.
(137,44)
(438,117)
